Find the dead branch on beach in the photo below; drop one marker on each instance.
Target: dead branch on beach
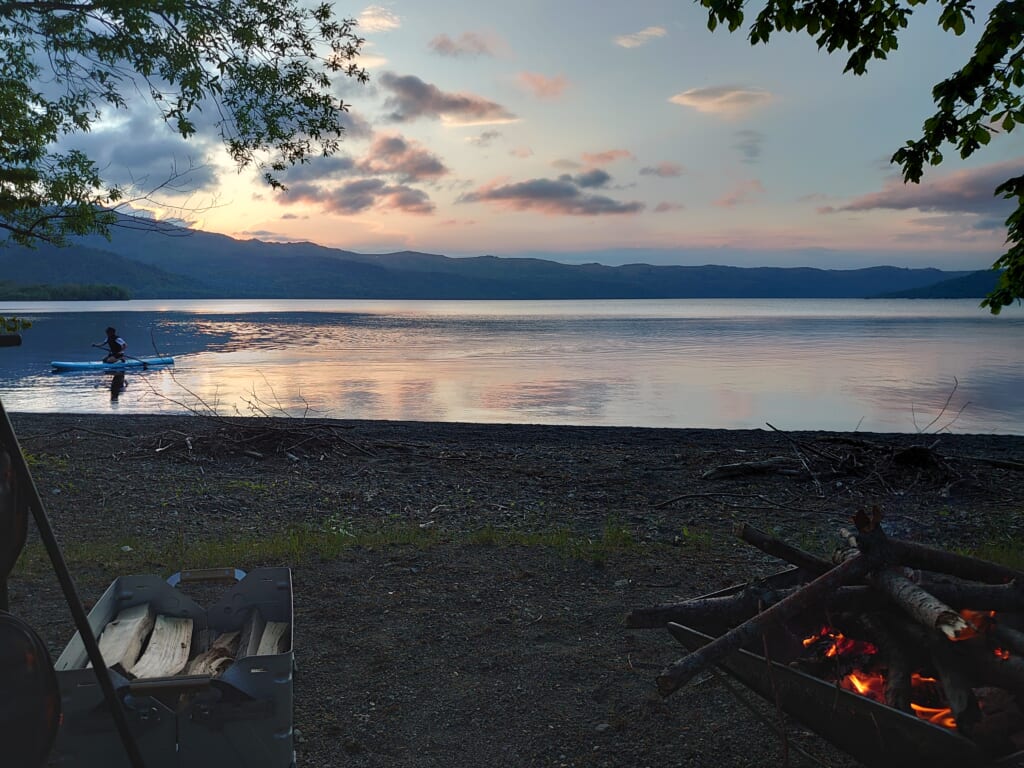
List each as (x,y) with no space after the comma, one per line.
(268,429)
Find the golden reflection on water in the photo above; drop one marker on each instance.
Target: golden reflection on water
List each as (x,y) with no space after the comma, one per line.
(664,365)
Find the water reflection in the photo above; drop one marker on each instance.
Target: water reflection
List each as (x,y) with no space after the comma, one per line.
(117,386)
(798,365)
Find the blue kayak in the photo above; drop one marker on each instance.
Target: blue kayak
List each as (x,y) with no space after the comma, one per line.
(96,365)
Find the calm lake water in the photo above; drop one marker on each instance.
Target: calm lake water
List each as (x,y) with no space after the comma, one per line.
(876,366)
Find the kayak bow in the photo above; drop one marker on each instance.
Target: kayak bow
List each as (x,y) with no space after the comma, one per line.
(96,365)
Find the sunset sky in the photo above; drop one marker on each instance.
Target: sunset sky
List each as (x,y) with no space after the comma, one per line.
(611,132)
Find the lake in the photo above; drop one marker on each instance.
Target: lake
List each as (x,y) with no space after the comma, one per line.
(869,365)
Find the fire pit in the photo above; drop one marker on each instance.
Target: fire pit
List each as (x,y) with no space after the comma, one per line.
(832,647)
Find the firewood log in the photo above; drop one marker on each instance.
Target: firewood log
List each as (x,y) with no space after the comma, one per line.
(683,670)
(918,604)
(122,639)
(775,546)
(219,656)
(273,638)
(168,649)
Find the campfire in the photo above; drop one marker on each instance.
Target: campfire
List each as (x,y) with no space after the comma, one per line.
(892,649)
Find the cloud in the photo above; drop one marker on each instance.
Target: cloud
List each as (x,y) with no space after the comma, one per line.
(484,139)
(665,170)
(967,191)
(355,126)
(743,192)
(749,145)
(375,18)
(555,197)
(668,207)
(541,86)
(414,99)
(360,195)
(637,39)
(592,179)
(606,157)
(521,152)
(320,168)
(397,156)
(144,154)
(469,44)
(724,100)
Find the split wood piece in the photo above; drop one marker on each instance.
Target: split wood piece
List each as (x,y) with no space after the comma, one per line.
(780,549)
(782,465)
(122,639)
(252,631)
(168,649)
(918,604)
(274,639)
(683,670)
(726,609)
(220,655)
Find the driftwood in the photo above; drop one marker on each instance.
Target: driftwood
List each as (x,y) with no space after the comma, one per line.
(781,465)
(122,639)
(168,649)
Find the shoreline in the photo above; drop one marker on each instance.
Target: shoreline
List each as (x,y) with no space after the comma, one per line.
(488,637)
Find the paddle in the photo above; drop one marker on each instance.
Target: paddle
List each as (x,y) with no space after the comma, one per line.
(145,365)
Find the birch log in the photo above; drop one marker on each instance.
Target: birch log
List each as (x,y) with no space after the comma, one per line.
(918,604)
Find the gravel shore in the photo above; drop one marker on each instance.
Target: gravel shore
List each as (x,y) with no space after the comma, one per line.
(477,644)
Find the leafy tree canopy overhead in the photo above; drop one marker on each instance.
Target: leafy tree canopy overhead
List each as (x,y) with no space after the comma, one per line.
(981,98)
(262,71)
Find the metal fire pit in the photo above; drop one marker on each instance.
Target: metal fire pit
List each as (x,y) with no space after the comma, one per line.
(873,733)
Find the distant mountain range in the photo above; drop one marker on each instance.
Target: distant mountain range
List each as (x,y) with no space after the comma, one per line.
(153,261)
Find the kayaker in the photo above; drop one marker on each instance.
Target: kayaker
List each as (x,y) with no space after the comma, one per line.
(116,346)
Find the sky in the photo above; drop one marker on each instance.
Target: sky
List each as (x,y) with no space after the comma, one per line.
(609,132)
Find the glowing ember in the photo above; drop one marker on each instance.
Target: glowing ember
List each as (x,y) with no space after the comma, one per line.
(841,645)
(1002,653)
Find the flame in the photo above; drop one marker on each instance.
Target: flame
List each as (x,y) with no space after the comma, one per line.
(978,622)
(872,684)
(1002,653)
(937,716)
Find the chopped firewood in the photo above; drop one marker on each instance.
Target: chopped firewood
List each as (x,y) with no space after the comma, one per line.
(274,638)
(123,638)
(168,649)
(220,655)
(252,631)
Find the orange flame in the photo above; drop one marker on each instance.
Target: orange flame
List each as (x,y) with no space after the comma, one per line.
(935,715)
(1002,653)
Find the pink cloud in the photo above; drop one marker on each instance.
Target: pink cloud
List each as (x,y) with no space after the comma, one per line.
(744,192)
(606,157)
(541,86)
(667,207)
(562,196)
(966,191)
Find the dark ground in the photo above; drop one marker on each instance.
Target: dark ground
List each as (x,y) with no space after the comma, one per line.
(453,652)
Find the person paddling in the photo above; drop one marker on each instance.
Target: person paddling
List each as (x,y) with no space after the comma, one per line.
(115,345)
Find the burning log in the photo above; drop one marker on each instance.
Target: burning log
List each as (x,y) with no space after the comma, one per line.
(937,639)
(918,604)
(682,671)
